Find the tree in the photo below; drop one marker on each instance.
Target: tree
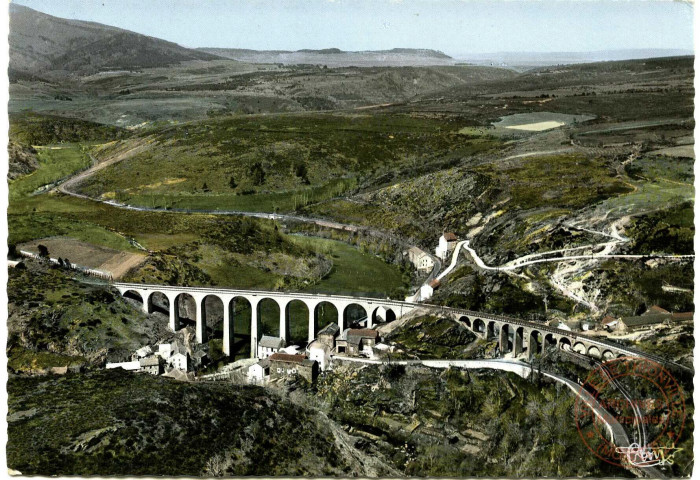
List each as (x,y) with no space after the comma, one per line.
(302,172)
(257,172)
(232,182)
(205,187)
(43,251)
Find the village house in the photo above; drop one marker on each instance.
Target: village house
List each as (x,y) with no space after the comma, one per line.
(142,352)
(609,323)
(320,349)
(258,372)
(356,342)
(152,365)
(283,365)
(641,322)
(446,245)
(175,355)
(420,259)
(180,359)
(269,345)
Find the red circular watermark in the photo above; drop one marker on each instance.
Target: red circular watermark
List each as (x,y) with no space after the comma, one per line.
(631,412)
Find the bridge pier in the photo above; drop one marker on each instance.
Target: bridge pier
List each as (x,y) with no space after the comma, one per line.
(311,306)
(518,342)
(283,319)
(228,328)
(201,320)
(503,340)
(174,312)
(253,327)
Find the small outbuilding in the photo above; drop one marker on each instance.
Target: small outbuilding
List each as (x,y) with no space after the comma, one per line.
(259,371)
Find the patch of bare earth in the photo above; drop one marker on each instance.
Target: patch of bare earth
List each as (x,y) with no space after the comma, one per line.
(87,255)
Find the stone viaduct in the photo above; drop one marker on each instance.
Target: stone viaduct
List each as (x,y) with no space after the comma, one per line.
(373,309)
(515,337)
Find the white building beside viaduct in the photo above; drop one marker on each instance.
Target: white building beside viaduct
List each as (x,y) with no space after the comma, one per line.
(514,336)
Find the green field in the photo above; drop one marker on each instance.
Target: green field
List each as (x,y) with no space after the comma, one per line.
(281,162)
(55,163)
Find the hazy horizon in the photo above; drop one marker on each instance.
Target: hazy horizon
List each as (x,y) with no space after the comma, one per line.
(458,28)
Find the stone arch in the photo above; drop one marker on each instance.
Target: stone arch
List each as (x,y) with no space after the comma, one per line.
(383,314)
(594,352)
(505,339)
(354,313)
(466,320)
(297,322)
(579,348)
(608,355)
(212,311)
(158,302)
(325,313)
(240,311)
(185,309)
(550,340)
(621,355)
(534,343)
(133,295)
(268,318)
(479,326)
(518,341)
(491,330)
(565,343)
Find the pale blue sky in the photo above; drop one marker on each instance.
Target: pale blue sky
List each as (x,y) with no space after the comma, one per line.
(457,27)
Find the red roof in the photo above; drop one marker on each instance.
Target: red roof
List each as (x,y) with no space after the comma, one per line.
(434,284)
(683,315)
(285,357)
(362,332)
(657,309)
(450,237)
(608,319)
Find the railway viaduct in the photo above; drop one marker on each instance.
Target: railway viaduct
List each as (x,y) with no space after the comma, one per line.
(514,336)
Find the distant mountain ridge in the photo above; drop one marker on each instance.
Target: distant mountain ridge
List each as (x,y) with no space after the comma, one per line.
(43,45)
(334,57)
(536,59)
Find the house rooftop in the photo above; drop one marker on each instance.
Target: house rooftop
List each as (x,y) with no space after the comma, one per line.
(271,342)
(149,361)
(655,309)
(434,283)
(449,236)
(330,329)
(264,363)
(285,357)
(683,315)
(362,332)
(644,320)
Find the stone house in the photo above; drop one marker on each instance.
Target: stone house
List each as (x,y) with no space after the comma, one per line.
(356,342)
(320,349)
(142,352)
(641,322)
(420,259)
(269,345)
(259,371)
(152,365)
(446,244)
(609,322)
(283,365)
(327,334)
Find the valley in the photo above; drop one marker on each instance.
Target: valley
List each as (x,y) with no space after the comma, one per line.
(560,199)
